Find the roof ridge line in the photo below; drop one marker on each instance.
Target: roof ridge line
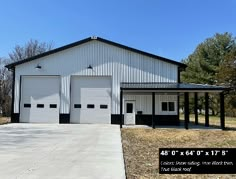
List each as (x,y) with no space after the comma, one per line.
(77,43)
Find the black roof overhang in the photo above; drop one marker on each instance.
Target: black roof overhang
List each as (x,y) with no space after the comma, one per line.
(170,87)
(171,90)
(12,65)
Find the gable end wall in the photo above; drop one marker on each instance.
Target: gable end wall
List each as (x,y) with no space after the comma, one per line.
(107,60)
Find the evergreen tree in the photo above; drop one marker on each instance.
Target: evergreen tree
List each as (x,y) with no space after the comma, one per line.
(208,63)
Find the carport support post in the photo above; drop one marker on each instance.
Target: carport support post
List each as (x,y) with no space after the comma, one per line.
(153,110)
(206,110)
(186,109)
(196,108)
(121,107)
(222,110)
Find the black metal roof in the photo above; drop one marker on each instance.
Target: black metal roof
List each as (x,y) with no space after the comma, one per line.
(171,87)
(12,65)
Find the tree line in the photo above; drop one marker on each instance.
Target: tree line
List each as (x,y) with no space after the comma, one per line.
(213,62)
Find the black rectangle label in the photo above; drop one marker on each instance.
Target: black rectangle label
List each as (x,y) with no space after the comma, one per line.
(197,160)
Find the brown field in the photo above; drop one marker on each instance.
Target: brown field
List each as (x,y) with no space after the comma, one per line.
(141,147)
(230,122)
(4,120)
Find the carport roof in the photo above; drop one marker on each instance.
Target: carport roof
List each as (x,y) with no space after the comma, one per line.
(173,87)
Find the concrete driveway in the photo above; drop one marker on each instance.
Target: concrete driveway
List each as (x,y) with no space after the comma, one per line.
(60,151)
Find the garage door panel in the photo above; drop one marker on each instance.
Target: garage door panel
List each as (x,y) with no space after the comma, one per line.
(96,100)
(42,94)
(105,92)
(89,118)
(91,93)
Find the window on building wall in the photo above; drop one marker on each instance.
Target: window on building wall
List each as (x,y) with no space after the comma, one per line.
(171,106)
(164,106)
(168,106)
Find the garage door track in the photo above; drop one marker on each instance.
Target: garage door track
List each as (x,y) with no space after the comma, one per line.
(60,151)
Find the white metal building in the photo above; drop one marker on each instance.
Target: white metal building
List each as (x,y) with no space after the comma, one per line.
(81,83)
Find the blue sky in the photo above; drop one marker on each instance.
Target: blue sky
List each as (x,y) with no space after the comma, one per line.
(169,28)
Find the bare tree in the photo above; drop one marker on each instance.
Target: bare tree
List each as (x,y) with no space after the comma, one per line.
(5,89)
(31,48)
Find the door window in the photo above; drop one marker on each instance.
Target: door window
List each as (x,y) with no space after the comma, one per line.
(129,107)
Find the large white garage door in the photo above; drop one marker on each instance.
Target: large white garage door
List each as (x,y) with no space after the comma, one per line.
(90,100)
(40,99)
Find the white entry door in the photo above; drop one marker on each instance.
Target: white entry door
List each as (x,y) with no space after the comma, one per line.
(129,112)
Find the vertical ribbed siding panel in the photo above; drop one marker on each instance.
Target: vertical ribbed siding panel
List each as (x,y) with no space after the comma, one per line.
(159,71)
(142,102)
(65,95)
(17,94)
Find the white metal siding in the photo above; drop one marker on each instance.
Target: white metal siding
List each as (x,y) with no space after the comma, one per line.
(106,60)
(144,103)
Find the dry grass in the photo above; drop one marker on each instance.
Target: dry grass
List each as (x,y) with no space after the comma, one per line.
(4,120)
(230,122)
(141,148)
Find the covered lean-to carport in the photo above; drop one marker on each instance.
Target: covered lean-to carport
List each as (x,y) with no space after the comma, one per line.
(177,89)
